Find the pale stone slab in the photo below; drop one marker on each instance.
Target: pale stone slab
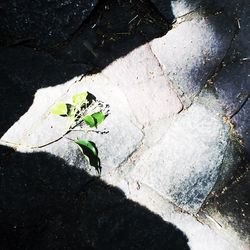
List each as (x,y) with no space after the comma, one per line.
(184,165)
(141,79)
(38,126)
(138,95)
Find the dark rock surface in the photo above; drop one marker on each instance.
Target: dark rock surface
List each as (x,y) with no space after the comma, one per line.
(179,7)
(232,79)
(42,22)
(242,121)
(240,48)
(230,205)
(46,204)
(112,31)
(233,86)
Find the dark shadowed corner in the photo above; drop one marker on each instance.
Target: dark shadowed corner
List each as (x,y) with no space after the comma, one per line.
(46,204)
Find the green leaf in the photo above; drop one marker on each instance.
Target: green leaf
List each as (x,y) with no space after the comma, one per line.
(89,150)
(90,121)
(94,119)
(98,117)
(59,109)
(79,99)
(84,144)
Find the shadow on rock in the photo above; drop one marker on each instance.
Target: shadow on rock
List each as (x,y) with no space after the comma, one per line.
(46,204)
(38,54)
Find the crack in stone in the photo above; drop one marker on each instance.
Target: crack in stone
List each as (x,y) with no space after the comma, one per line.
(241,106)
(167,79)
(138,149)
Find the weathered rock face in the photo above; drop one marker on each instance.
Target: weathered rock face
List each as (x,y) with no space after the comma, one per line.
(230,206)
(242,121)
(112,31)
(241,44)
(190,52)
(232,82)
(233,86)
(45,23)
(125,86)
(169,140)
(185,172)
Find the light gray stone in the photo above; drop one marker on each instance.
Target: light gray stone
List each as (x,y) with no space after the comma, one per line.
(184,165)
(39,127)
(138,95)
(142,81)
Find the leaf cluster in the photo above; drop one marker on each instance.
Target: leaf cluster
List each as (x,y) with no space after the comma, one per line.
(84,114)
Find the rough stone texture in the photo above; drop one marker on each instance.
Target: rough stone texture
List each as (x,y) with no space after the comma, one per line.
(43,22)
(126,85)
(200,235)
(152,152)
(185,172)
(189,60)
(230,206)
(241,44)
(233,86)
(38,126)
(242,121)
(232,80)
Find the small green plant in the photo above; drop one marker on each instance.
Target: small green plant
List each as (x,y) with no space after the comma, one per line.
(84,113)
